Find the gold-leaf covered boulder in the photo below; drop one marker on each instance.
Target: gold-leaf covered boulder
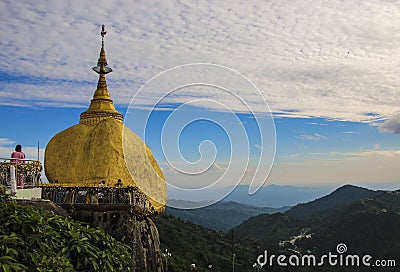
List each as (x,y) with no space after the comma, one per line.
(102,150)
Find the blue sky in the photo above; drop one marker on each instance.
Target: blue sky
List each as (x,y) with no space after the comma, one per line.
(329,73)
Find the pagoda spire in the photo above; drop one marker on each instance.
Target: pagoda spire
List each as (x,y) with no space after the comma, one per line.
(101,106)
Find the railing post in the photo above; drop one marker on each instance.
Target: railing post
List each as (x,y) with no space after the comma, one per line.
(13,181)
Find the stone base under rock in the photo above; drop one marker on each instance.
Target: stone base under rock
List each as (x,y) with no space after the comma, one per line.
(140,234)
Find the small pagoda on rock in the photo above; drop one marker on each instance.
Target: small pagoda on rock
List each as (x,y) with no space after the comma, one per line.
(100,164)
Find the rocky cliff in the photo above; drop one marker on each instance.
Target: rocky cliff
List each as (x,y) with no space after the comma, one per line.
(140,233)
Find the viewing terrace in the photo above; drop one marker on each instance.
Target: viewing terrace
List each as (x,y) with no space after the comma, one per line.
(22,179)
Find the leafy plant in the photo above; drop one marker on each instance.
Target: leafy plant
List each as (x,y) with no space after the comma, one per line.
(33,239)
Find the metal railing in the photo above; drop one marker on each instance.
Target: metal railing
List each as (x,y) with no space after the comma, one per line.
(79,196)
(95,195)
(25,173)
(19,174)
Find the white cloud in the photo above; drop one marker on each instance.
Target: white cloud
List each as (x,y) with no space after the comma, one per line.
(316,124)
(334,59)
(377,154)
(371,167)
(391,125)
(313,137)
(361,168)
(6,141)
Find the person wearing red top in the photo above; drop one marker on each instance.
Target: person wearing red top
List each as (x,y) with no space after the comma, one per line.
(18,154)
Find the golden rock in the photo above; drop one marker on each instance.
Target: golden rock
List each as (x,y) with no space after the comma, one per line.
(101,148)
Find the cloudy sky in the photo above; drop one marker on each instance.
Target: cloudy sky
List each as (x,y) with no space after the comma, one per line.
(328,70)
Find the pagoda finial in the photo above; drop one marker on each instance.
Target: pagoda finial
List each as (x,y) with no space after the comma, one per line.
(102,67)
(103,33)
(101,106)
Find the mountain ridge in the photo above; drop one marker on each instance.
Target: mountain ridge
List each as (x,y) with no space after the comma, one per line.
(368,225)
(276,196)
(220,216)
(342,196)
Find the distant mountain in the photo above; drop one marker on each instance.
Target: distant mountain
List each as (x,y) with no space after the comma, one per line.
(220,216)
(367,226)
(239,205)
(366,221)
(187,203)
(276,196)
(340,197)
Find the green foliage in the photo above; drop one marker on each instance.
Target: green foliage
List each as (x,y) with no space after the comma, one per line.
(33,239)
(269,229)
(190,243)
(4,196)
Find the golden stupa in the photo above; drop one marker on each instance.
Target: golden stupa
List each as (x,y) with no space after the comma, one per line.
(102,150)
